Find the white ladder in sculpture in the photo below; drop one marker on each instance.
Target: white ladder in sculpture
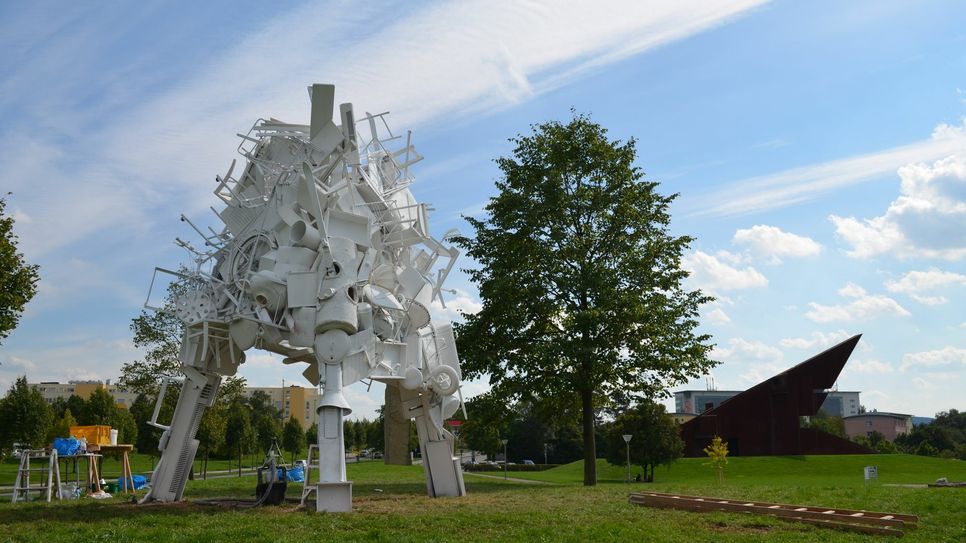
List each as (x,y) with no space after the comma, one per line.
(22,487)
(311,462)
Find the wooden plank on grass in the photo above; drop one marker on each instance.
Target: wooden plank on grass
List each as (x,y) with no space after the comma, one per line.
(858,521)
(910,520)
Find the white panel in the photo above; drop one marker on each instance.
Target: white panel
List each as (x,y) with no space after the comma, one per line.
(445,475)
(303,289)
(349,226)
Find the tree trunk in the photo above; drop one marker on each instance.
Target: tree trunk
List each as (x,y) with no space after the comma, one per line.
(395,426)
(590,443)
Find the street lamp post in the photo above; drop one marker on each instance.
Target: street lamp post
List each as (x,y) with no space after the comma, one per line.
(503,442)
(545,454)
(627,441)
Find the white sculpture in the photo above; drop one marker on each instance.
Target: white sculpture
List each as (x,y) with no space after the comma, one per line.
(326,259)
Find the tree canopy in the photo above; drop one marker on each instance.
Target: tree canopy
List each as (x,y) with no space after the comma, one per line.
(18,280)
(24,416)
(655,438)
(579,278)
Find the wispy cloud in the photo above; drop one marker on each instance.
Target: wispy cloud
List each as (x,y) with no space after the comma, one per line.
(470,58)
(797,185)
(937,359)
(862,306)
(773,243)
(713,273)
(915,283)
(928,219)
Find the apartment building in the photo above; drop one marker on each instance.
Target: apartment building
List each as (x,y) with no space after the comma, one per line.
(53,390)
(292,401)
(838,403)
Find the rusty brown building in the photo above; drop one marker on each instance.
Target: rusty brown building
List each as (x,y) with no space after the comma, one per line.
(765,419)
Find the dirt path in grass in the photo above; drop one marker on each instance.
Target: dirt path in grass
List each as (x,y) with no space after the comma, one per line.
(514,479)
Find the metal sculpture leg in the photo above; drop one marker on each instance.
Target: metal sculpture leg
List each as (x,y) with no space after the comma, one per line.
(444,475)
(178,444)
(334,492)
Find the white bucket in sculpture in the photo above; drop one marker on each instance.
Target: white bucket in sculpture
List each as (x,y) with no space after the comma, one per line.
(113,437)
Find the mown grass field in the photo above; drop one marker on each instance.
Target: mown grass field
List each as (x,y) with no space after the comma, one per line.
(390,505)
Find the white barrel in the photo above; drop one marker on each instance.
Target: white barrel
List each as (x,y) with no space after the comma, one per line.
(113,436)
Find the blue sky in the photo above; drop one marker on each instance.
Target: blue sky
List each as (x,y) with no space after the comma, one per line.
(819,150)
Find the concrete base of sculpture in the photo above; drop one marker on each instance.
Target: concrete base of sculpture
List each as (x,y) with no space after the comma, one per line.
(334,497)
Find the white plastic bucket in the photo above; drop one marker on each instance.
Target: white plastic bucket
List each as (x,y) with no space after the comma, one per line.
(113,437)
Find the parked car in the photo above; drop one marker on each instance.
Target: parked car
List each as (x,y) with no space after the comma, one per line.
(528,462)
(300,464)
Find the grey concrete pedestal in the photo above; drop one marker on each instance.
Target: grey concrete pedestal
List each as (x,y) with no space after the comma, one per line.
(334,497)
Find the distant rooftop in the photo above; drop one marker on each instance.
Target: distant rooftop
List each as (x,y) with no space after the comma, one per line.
(878,414)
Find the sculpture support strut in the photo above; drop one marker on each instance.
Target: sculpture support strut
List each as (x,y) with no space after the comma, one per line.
(325,259)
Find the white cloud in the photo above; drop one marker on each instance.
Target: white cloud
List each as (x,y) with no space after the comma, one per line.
(471,58)
(929,300)
(851,290)
(718,316)
(947,356)
(869,366)
(757,361)
(928,219)
(817,341)
(862,307)
(789,187)
(710,273)
(915,283)
(923,384)
(773,243)
(742,350)
(456,303)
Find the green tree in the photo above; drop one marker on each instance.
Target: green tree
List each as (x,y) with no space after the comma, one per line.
(100,408)
(265,419)
(580,278)
(827,423)
(717,452)
(158,333)
(127,428)
(655,438)
(239,434)
(142,408)
(293,438)
(375,434)
(488,419)
(18,280)
(885,447)
(61,426)
(349,434)
(312,434)
(77,406)
(358,434)
(24,416)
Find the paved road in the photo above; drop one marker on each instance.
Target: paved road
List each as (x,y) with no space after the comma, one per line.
(514,479)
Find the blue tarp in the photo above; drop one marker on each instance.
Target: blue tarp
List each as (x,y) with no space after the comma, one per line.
(295,475)
(139,482)
(66,446)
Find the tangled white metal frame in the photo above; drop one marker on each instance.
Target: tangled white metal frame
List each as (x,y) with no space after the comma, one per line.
(325,258)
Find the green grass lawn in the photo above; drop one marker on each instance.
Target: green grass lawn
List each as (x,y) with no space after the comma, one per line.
(390,505)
